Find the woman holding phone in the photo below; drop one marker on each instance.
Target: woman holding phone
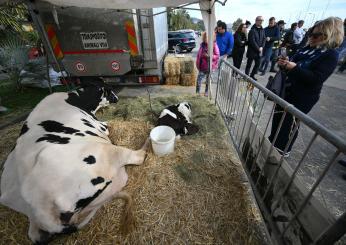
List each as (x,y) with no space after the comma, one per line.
(307,70)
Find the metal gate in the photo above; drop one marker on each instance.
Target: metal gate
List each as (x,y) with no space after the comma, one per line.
(297,201)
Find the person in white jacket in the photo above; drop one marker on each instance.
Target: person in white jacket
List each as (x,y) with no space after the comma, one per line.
(299,33)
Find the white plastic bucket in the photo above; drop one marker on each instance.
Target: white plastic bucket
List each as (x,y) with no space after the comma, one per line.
(162,140)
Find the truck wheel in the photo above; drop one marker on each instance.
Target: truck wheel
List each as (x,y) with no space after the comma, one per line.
(189,50)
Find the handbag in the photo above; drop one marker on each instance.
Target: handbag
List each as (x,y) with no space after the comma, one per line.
(277,84)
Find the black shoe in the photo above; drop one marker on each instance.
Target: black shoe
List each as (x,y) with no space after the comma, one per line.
(342,162)
(262,73)
(253,77)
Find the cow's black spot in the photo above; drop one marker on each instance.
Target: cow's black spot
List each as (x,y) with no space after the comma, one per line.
(87,123)
(90,159)
(97,180)
(55,139)
(79,134)
(69,229)
(65,217)
(91,133)
(56,127)
(82,203)
(24,129)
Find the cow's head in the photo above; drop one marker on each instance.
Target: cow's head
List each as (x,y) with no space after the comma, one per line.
(93,95)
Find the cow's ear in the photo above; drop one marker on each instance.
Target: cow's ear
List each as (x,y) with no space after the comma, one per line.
(191,129)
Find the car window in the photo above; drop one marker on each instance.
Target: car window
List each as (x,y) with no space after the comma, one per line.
(188,34)
(181,35)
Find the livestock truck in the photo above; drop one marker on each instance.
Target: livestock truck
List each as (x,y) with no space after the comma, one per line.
(121,46)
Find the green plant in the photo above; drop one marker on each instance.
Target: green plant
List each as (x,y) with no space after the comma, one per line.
(14,60)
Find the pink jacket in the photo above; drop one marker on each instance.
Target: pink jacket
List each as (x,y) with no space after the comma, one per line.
(202,59)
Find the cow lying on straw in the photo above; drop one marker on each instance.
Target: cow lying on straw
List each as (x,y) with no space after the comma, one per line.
(64,167)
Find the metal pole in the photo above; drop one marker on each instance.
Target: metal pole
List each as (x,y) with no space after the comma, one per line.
(38,22)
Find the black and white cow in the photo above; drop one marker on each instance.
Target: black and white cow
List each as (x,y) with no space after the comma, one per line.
(178,117)
(64,167)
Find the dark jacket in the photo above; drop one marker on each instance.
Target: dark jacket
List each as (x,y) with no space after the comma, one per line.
(273,33)
(288,39)
(306,83)
(257,39)
(240,41)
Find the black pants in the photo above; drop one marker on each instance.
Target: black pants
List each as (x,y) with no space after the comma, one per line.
(255,68)
(237,58)
(304,104)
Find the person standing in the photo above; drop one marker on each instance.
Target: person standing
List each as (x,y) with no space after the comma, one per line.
(224,40)
(272,34)
(240,41)
(306,71)
(202,62)
(298,36)
(288,39)
(276,45)
(256,42)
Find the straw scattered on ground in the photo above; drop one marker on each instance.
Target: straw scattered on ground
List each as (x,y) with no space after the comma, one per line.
(193,196)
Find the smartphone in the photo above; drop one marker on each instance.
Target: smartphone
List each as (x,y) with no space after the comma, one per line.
(283,52)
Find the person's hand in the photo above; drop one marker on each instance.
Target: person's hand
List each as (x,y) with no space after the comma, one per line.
(268,39)
(285,63)
(260,49)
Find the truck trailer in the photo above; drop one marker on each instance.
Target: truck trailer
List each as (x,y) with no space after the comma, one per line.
(121,46)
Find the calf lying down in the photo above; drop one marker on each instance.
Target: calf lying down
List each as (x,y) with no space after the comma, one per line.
(178,117)
(64,167)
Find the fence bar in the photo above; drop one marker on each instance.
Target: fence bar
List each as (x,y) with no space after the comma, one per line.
(239,102)
(333,232)
(307,198)
(254,132)
(217,83)
(241,114)
(234,99)
(262,141)
(288,185)
(313,124)
(247,112)
(280,162)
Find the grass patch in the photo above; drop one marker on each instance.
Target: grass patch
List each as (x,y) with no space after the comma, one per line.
(20,102)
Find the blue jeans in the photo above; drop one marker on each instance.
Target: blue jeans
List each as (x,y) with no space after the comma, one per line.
(265,60)
(200,77)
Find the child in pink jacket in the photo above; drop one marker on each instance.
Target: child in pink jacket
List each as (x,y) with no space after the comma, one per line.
(203,60)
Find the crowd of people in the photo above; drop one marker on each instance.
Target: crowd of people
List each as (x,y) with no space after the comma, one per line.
(306,57)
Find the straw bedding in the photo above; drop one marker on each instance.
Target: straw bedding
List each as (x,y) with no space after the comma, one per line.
(193,196)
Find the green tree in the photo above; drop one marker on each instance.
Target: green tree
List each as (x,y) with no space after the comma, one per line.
(179,19)
(236,24)
(200,26)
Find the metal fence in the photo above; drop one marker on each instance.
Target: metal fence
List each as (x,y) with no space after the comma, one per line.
(297,199)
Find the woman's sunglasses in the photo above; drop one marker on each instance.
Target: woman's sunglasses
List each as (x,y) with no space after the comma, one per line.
(316,34)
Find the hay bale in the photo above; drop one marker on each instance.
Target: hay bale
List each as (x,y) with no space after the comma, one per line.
(171,66)
(188,79)
(187,65)
(172,80)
